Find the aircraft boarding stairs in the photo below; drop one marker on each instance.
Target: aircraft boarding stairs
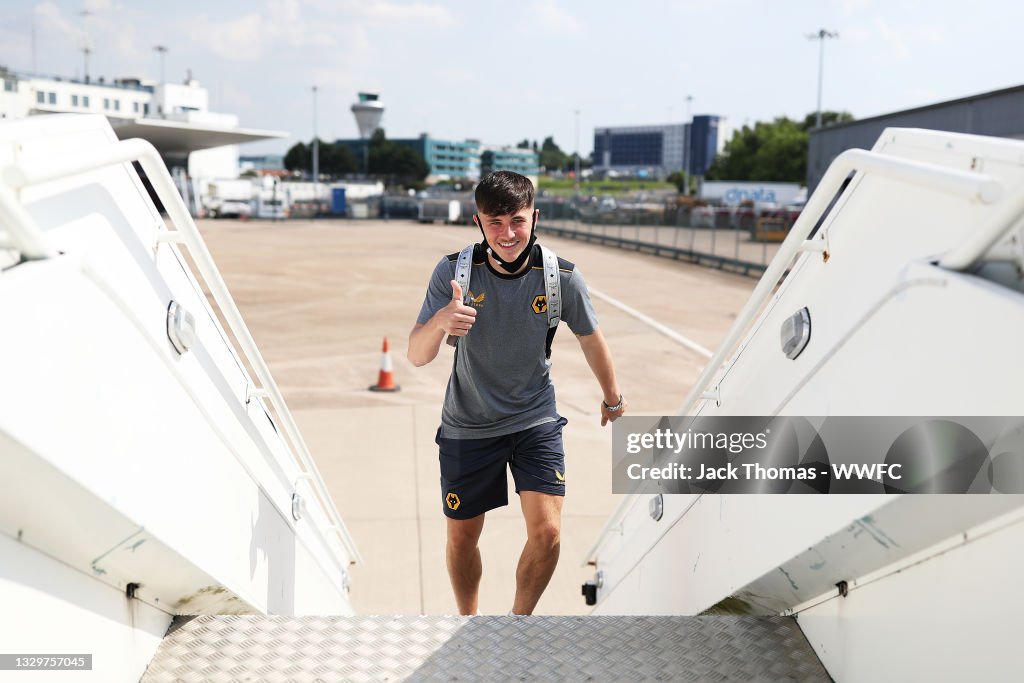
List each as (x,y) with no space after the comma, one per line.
(280,546)
(484,648)
(155,401)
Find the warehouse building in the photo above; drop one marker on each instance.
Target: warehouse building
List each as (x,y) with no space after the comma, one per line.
(999,113)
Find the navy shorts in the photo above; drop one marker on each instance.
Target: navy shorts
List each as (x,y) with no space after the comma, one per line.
(473,474)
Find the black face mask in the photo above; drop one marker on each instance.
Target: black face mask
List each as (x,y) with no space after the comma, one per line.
(509,266)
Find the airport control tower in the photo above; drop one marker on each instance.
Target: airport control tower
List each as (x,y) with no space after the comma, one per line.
(368,112)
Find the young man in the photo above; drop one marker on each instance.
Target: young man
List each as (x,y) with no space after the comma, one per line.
(499,408)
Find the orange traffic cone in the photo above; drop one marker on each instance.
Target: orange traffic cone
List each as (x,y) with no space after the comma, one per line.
(386,378)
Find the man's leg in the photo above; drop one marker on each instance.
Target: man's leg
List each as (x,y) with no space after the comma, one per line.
(543,514)
(464,563)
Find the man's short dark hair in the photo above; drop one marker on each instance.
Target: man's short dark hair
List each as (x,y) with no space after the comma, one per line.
(504,193)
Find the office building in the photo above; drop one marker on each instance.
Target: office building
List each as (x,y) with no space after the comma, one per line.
(174,117)
(657,151)
(523,161)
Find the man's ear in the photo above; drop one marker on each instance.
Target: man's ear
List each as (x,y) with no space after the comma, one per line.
(476,221)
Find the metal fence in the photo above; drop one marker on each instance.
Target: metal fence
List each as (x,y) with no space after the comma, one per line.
(735,239)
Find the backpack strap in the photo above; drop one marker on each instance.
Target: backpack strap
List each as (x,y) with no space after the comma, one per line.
(552,294)
(463,269)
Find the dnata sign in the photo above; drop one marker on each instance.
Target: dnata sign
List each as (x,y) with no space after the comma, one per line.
(760,193)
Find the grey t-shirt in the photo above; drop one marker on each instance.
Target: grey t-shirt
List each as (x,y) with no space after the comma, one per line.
(500,382)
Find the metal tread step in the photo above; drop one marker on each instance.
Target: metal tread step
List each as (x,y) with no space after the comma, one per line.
(445,648)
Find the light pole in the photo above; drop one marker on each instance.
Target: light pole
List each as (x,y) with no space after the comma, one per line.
(687,131)
(86,47)
(86,51)
(577,112)
(316,159)
(821,36)
(162,51)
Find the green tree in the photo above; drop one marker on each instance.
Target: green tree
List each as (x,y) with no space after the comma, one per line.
(679,180)
(396,163)
(769,151)
(828,118)
(297,158)
(551,155)
(337,159)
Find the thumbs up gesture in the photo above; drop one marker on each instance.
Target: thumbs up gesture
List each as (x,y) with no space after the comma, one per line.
(456,318)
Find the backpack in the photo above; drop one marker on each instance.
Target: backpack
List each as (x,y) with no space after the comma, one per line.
(552,289)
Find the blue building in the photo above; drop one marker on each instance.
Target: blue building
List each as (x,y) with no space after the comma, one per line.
(262,162)
(657,150)
(639,150)
(702,143)
(523,161)
(447,159)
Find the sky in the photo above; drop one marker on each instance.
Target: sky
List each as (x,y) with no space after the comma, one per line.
(500,72)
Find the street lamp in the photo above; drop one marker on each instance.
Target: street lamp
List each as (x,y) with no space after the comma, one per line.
(821,36)
(316,159)
(86,47)
(687,132)
(86,51)
(577,112)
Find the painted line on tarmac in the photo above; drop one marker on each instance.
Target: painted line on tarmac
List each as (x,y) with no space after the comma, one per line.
(667,331)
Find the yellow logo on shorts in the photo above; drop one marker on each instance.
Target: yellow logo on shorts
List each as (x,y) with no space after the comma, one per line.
(452,499)
(560,476)
(540,304)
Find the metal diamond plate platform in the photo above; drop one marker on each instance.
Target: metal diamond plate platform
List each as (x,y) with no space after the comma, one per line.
(590,648)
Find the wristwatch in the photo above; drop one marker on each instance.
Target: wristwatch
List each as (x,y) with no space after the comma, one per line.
(615,408)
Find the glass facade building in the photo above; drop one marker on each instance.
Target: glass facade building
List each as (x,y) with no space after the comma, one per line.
(639,150)
(703,143)
(447,159)
(522,161)
(657,150)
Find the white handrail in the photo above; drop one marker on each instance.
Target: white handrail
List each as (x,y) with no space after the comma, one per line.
(973,186)
(21,175)
(980,241)
(22,232)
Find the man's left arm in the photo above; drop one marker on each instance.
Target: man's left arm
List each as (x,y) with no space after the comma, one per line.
(599,358)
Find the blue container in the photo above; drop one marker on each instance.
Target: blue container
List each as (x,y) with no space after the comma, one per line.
(338,201)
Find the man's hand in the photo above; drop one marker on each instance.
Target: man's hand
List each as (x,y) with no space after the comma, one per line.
(456,318)
(612,415)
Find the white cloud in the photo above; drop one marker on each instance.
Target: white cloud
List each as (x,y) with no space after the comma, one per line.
(900,42)
(417,13)
(286,26)
(52,21)
(854,6)
(231,98)
(241,39)
(454,76)
(922,96)
(554,19)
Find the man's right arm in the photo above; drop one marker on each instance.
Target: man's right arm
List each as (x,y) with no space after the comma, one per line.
(455,319)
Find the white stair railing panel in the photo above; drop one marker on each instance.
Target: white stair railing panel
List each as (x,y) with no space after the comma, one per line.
(30,240)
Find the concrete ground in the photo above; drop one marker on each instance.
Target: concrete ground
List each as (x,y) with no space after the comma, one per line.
(319,297)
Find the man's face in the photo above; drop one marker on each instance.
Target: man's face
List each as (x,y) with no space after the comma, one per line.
(508,235)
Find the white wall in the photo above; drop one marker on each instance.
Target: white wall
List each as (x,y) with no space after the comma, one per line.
(219,162)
